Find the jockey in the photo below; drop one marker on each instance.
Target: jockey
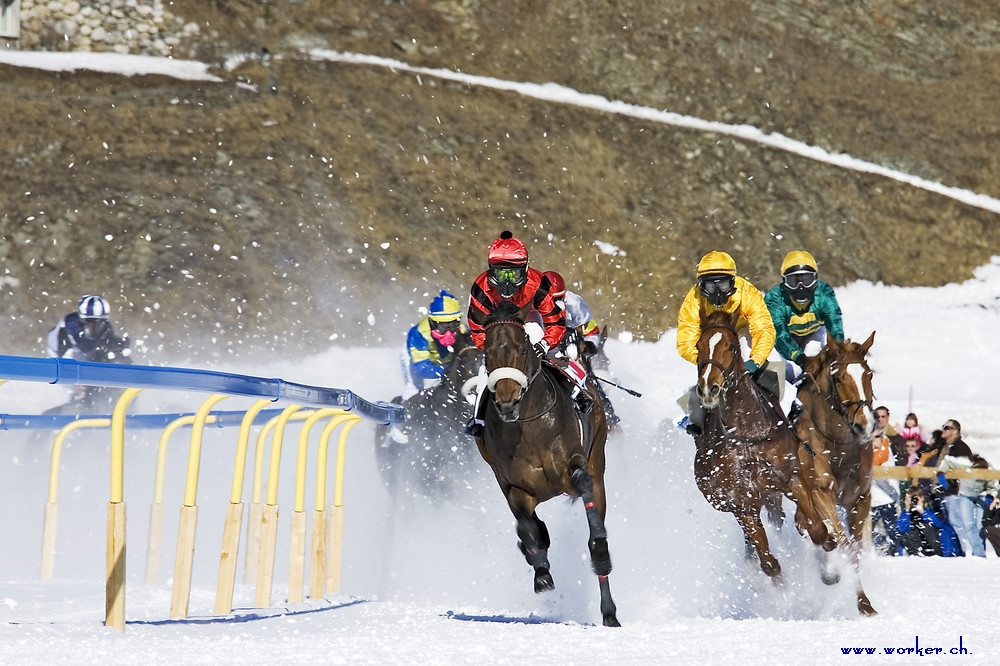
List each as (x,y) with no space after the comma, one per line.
(432,342)
(583,336)
(719,288)
(804,310)
(508,278)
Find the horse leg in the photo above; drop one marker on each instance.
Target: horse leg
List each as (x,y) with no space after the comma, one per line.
(533,535)
(600,558)
(775,512)
(856,518)
(753,530)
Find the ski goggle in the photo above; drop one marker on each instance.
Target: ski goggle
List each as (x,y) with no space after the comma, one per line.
(513,275)
(717,285)
(806,279)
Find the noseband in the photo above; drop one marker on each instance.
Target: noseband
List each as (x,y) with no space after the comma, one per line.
(507,372)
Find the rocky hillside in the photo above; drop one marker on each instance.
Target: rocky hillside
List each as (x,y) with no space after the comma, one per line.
(298,202)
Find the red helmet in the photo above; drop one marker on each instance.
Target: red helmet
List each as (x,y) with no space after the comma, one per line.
(558,289)
(509,251)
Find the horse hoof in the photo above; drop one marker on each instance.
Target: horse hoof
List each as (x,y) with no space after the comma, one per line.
(611,621)
(830,578)
(543,582)
(865,607)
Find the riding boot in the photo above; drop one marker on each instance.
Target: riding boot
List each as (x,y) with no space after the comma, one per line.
(583,400)
(476,425)
(693,422)
(794,412)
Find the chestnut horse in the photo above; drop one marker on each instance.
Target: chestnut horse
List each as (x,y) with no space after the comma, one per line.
(539,447)
(838,422)
(748,455)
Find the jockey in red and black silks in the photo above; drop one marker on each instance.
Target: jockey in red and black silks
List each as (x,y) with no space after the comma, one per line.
(509,278)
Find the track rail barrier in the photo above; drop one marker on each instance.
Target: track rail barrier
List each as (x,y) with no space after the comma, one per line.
(341,405)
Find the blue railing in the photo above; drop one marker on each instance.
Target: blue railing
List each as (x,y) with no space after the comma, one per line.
(66,371)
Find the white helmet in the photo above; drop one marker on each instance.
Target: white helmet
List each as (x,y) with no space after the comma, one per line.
(93,307)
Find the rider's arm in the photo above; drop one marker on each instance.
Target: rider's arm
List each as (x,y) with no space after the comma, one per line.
(826,302)
(420,355)
(689,326)
(780,314)
(552,316)
(758,318)
(480,307)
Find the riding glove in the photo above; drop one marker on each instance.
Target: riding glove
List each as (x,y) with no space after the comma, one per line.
(541,348)
(752,367)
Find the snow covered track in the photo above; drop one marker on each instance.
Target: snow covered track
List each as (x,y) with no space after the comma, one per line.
(558,94)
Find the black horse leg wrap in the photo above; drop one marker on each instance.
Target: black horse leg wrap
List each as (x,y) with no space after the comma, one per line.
(584,485)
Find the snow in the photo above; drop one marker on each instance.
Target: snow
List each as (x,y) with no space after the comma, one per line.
(444,583)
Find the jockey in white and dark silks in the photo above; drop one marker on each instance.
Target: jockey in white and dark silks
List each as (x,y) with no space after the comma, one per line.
(431,343)
(804,310)
(719,288)
(87,334)
(583,337)
(508,278)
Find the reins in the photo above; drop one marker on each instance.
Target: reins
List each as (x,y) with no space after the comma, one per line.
(523,380)
(837,405)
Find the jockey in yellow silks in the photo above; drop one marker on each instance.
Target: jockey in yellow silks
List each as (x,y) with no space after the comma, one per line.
(719,288)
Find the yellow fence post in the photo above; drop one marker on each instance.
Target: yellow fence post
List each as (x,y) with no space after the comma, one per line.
(234,516)
(336,522)
(51,518)
(297,541)
(184,560)
(114,590)
(317,569)
(269,516)
(155,538)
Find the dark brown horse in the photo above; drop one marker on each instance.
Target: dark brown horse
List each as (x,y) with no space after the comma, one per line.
(540,448)
(837,423)
(748,456)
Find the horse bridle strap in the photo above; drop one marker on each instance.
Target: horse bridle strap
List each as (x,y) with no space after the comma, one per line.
(506,373)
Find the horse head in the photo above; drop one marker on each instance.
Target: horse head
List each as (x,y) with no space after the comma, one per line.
(719,360)
(510,361)
(841,372)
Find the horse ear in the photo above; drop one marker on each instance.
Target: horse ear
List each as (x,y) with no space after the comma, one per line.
(523,313)
(867,344)
(831,342)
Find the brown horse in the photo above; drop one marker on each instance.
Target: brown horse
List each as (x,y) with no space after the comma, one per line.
(837,423)
(748,456)
(540,447)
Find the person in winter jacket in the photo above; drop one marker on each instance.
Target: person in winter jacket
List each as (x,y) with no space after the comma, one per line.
(720,288)
(884,499)
(921,531)
(965,512)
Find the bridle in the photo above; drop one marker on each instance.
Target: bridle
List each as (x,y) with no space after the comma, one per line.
(729,376)
(508,372)
(844,409)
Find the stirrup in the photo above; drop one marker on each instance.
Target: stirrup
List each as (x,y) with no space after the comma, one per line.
(794,412)
(475,427)
(689,426)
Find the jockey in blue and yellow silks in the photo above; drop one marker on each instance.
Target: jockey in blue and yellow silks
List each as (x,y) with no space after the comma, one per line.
(804,310)
(432,342)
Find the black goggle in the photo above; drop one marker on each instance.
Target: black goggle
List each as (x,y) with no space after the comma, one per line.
(717,285)
(802,279)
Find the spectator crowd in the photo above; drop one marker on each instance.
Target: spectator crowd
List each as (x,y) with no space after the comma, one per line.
(931,516)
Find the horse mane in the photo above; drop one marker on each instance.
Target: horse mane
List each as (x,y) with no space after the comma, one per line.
(505,311)
(719,318)
(832,353)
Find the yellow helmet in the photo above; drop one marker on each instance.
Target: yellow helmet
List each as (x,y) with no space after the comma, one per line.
(799,259)
(445,308)
(716,263)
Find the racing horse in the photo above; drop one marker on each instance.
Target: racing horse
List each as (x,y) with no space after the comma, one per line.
(837,423)
(540,447)
(428,451)
(748,455)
